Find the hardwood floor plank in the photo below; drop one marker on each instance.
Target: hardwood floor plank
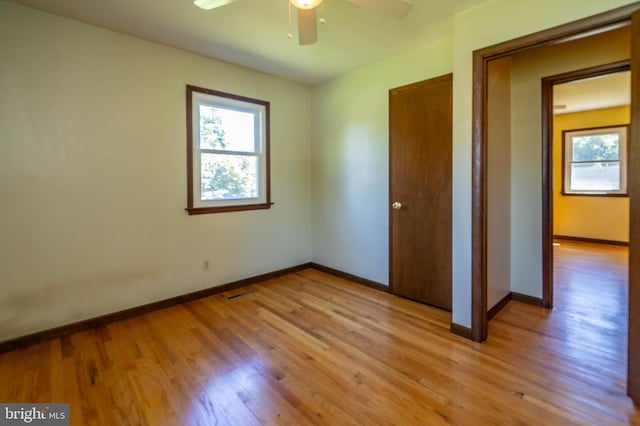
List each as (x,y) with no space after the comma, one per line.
(313,349)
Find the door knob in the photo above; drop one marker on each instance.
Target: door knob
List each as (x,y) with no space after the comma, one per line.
(397,205)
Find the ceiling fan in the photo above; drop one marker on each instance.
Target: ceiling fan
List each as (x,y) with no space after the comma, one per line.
(307,13)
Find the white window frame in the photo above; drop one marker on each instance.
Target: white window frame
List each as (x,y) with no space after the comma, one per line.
(568,136)
(196,97)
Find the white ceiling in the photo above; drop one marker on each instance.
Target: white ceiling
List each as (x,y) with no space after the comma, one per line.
(253,33)
(593,93)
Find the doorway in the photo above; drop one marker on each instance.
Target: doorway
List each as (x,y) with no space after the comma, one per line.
(624,16)
(590,211)
(584,212)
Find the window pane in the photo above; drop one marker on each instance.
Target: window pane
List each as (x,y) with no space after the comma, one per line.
(226,129)
(228,177)
(595,177)
(605,146)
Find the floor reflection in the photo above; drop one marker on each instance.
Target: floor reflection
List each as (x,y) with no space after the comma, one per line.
(590,304)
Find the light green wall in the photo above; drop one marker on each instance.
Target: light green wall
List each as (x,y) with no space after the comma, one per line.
(350,171)
(93,174)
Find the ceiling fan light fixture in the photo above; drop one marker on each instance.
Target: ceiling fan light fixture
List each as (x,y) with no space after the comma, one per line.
(305,4)
(211,4)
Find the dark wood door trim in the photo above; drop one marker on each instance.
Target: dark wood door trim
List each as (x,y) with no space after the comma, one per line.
(582,28)
(547,163)
(633,371)
(479,204)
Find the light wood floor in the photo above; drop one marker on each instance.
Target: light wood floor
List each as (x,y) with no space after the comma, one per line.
(310,348)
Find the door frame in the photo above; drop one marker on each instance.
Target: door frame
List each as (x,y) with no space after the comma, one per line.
(547,162)
(606,21)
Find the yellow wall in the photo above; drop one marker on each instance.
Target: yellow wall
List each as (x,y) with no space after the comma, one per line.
(605,218)
(93,174)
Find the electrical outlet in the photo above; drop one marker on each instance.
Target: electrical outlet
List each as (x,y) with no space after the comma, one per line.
(205,265)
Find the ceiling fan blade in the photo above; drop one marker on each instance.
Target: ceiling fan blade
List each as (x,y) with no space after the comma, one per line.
(211,4)
(307,26)
(396,9)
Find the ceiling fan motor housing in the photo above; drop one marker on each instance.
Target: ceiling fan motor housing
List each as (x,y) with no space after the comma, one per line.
(305,4)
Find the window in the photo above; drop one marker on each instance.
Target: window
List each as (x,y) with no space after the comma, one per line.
(595,161)
(227,152)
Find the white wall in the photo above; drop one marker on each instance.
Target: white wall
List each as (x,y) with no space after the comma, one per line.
(93,174)
(350,170)
(490,23)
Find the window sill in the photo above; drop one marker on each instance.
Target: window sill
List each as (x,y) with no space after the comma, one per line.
(593,194)
(210,210)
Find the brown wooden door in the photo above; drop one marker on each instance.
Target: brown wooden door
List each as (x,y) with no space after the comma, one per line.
(420,190)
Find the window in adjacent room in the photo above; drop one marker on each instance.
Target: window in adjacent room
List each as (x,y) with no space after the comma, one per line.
(595,161)
(228,152)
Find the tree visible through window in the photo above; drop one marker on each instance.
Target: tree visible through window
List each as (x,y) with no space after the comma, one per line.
(595,161)
(228,144)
